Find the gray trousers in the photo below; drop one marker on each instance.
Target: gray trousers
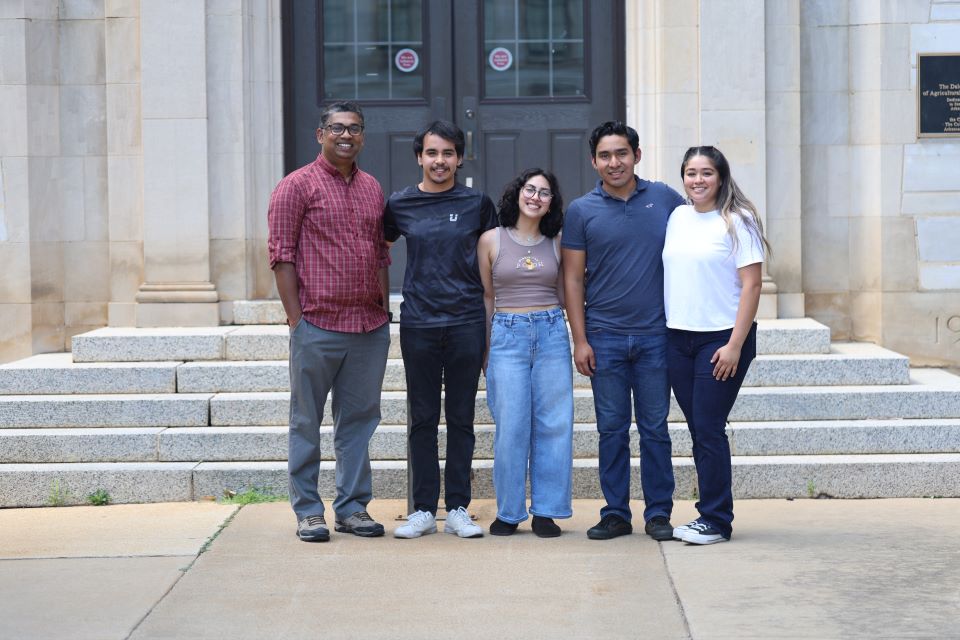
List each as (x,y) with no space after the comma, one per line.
(350,367)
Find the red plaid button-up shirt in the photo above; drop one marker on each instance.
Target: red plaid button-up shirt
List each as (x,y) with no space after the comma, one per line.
(332,231)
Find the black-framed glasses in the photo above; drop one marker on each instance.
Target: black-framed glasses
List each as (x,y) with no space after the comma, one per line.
(529,190)
(337,129)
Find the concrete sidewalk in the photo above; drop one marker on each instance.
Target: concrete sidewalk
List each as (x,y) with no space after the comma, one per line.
(795,569)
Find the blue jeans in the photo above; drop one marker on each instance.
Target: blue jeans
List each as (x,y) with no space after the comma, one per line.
(706,403)
(638,364)
(530,394)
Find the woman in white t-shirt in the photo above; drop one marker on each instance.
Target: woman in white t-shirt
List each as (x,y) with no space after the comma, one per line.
(712,259)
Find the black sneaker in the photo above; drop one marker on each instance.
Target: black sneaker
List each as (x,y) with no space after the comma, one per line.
(545,527)
(659,528)
(699,532)
(610,526)
(500,528)
(360,524)
(313,529)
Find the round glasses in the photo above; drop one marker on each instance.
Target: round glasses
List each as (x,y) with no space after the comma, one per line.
(529,190)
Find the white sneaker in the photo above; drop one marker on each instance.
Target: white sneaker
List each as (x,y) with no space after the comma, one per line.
(419,523)
(459,523)
(682,529)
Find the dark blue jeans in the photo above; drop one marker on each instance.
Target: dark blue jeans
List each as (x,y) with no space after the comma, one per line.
(706,403)
(447,359)
(637,364)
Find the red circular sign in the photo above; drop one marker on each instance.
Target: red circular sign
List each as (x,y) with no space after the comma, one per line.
(406,60)
(500,59)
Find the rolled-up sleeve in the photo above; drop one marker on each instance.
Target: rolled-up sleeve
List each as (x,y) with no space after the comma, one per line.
(284,220)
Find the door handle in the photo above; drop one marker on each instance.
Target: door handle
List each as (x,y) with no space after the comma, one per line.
(469,151)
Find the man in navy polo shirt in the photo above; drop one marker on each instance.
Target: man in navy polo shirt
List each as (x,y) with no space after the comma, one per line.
(613,280)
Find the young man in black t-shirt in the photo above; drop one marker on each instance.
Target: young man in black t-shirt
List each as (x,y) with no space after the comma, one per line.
(442,324)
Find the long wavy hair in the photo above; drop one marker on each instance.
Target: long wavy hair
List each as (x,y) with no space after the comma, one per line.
(508,208)
(731,201)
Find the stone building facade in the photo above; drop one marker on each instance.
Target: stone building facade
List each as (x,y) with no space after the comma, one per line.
(140,140)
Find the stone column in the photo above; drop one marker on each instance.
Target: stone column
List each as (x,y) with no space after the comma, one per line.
(176,219)
(733,101)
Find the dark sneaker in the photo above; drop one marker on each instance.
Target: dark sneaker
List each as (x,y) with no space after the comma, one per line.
(659,528)
(610,526)
(699,532)
(313,529)
(545,527)
(500,528)
(360,524)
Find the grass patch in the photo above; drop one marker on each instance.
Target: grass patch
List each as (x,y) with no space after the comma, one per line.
(253,495)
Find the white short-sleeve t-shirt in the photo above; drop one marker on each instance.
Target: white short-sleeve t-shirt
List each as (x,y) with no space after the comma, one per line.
(701,284)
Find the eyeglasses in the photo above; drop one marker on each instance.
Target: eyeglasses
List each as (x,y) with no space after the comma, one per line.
(529,190)
(337,129)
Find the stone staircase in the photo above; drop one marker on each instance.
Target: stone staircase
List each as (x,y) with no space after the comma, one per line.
(153,415)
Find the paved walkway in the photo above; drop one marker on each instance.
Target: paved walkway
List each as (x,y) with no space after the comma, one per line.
(795,569)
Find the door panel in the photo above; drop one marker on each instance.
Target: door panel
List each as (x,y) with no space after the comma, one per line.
(527,80)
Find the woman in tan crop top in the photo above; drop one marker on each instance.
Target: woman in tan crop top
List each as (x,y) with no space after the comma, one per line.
(528,365)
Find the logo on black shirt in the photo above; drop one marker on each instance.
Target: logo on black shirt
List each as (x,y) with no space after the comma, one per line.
(454,217)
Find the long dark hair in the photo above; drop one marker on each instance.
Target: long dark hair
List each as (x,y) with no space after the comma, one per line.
(509,206)
(731,201)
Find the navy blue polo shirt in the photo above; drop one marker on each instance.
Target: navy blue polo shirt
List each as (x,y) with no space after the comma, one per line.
(623,241)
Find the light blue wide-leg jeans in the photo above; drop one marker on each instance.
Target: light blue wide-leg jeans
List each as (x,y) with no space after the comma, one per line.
(530,394)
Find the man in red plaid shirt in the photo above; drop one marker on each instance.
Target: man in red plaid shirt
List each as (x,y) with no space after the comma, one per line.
(330,259)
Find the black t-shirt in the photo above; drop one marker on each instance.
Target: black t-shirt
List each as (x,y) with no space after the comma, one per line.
(441,286)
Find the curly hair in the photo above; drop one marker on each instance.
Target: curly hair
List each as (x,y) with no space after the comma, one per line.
(508,208)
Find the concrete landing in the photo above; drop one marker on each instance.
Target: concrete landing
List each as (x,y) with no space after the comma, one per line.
(795,569)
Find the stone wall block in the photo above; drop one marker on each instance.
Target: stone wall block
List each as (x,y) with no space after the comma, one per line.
(83,111)
(225,83)
(45,274)
(228,266)
(939,276)
(866,265)
(679,121)
(17,326)
(784,235)
(895,58)
(899,254)
(173,59)
(42,51)
(783,188)
(825,117)
(939,239)
(125,198)
(126,270)
(15,275)
(898,117)
(81,52)
(866,45)
(81,9)
(95,213)
(931,166)
(175,156)
(865,184)
(678,46)
(866,309)
(826,255)
(56,199)
(91,315)
(15,199)
(731,76)
(122,60)
(121,8)
(825,59)
(783,58)
(933,38)
(48,328)
(123,124)
(13,120)
(91,283)
(13,53)
(227,195)
(783,118)
(923,324)
(889,11)
(866,117)
(945,12)
(43,120)
(831,309)
(821,13)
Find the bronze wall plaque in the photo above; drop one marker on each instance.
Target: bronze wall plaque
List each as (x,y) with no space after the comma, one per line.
(938,95)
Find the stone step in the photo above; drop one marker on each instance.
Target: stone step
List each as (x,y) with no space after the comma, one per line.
(848,476)
(156,444)
(847,364)
(931,394)
(118,410)
(56,373)
(272,342)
